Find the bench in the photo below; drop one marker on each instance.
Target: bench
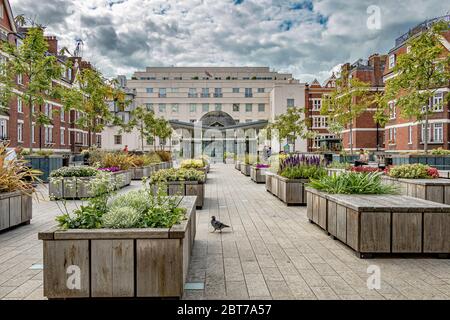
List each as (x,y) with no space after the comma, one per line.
(382,223)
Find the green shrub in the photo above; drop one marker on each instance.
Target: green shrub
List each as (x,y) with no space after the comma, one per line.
(303,172)
(77,171)
(410,171)
(353,183)
(121,217)
(192,164)
(440,152)
(174,174)
(133,199)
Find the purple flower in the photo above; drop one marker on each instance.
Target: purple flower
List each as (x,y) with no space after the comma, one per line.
(262,166)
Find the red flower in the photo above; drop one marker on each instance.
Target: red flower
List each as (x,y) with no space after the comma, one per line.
(433,173)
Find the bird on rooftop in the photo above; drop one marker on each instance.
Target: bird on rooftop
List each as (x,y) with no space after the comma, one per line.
(217,225)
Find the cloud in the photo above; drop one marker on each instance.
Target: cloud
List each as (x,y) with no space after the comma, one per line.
(307,38)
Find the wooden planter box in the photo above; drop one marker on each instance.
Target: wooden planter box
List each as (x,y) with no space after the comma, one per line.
(140,173)
(45,164)
(292,191)
(258,175)
(229,161)
(269,177)
(187,188)
(237,165)
(245,169)
(78,188)
(15,209)
(382,223)
(436,190)
(119,263)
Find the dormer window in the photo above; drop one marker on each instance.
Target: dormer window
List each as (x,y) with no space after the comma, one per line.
(391,61)
(69,73)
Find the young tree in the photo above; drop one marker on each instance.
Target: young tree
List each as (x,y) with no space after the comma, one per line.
(144,121)
(37,69)
(349,100)
(90,99)
(163,129)
(418,74)
(292,124)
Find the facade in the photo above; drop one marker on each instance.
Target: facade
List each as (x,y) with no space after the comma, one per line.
(315,93)
(406,135)
(183,95)
(62,135)
(366,133)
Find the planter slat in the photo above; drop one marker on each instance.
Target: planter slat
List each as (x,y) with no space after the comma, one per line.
(4,214)
(341,223)
(27,208)
(147,233)
(112,268)
(407,232)
(376,230)
(15,209)
(436,234)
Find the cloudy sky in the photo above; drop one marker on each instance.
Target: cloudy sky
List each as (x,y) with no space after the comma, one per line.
(306,38)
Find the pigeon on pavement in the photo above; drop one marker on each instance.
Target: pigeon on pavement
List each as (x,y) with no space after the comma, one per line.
(217,225)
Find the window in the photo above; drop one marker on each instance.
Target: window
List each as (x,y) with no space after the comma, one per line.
(174,90)
(62,136)
(394,135)
(19,78)
(117,139)
(290,103)
(48,135)
(248,107)
(317,104)
(248,120)
(3,129)
(162,107)
(218,93)
(391,61)
(438,102)
(149,90)
(218,107)
(69,73)
(205,93)
(261,107)
(62,114)
(235,90)
(423,133)
(33,138)
(205,107)
(192,121)
(408,49)
(192,107)
(192,93)
(19,105)
(175,108)
(236,107)
(409,134)
(48,110)
(320,122)
(149,106)
(162,92)
(392,110)
(248,92)
(438,132)
(260,90)
(20,132)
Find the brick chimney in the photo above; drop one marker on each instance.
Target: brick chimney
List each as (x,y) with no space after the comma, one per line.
(52,44)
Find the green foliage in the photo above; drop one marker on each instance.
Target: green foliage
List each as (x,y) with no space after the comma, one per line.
(192,164)
(440,152)
(77,171)
(353,183)
(174,174)
(339,165)
(410,171)
(44,153)
(121,217)
(304,172)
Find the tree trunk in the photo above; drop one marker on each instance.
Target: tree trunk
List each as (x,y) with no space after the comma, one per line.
(351,138)
(142,137)
(425,142)
(30,106)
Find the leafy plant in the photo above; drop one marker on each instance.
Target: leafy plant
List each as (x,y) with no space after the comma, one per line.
(412,171)
(353,183)
(174,174)
(15,175)
(299,160)
(120,160)
(365,169)
(192,164)
(44,153)
(339,165)
(165,156)
(304,172)
(121,218)
(440,152)
(77,171)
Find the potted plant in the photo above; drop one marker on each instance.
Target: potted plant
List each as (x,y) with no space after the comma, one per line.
(258,172)
(16,189)
(71,182)
(189,182)
(197,164)
(247,163)
(132,245)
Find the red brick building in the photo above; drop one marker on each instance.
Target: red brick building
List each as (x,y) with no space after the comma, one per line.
(406,135)
(315,93)
(62,135)
(366,133)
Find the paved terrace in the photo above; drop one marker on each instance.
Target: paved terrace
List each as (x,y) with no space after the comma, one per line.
(271,252)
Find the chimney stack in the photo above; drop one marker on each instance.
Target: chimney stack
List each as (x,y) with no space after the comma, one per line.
(52,44)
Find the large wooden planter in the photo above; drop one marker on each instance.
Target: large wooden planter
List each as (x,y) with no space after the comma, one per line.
(245,169)
(237,165)
(15,209)
(258,175)
(119,263)
(437,190)
(78,188)
(290,191)
(382,223)
(187,188)
(140,173)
